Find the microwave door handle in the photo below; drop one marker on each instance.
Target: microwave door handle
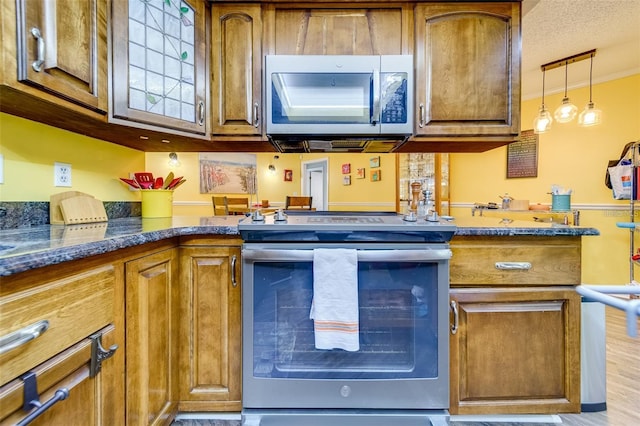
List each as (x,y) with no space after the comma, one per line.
(375,117)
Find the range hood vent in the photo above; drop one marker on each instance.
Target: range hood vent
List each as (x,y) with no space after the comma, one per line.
(291,144)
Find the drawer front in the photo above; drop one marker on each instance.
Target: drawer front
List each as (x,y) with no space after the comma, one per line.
(74,307)
(490,261)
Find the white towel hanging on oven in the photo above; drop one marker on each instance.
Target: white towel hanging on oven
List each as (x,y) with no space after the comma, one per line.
(334,308)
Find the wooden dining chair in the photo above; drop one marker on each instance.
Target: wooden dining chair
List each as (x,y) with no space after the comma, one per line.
(236,204)
(302,203)
(220,206)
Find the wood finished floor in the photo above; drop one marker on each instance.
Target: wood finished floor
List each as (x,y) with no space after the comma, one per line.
(623,386)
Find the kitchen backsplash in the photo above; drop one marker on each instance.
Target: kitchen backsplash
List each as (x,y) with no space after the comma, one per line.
(20,214)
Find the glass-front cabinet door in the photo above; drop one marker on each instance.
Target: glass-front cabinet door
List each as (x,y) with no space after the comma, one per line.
(158,71)
(432,172)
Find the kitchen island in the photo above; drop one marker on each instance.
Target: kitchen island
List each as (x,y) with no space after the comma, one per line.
(23,249)
(168,294)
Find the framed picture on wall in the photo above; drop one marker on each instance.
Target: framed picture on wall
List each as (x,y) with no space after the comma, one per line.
(288,175)
(375,175)
(374,162)
(346,180)
(360,173)
(346,168)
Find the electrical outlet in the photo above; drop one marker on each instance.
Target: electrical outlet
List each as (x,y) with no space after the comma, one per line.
(61,174)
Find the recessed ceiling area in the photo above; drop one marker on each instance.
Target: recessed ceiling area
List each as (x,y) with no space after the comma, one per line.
(555,29)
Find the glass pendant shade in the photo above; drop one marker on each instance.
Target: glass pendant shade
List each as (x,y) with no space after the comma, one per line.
(542,122)
(566,111)
(591,116)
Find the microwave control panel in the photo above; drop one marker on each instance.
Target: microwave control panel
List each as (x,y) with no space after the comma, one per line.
(394,98)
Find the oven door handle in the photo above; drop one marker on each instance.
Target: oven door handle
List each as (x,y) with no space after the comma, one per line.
(363,255)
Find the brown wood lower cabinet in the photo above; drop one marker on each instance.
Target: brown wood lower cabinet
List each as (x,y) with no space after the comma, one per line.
(516,316)
(152,338)
(210,325)
(516,350)
(91,401)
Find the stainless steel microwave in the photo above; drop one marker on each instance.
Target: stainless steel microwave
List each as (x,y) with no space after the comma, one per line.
(346,95)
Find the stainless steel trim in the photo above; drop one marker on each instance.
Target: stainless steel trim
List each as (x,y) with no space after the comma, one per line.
(363,255)
(511,266)
(22,336)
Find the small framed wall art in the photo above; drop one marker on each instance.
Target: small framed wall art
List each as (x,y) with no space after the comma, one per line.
(360,173)
(375,175)
(346,169)
(288,175)
(346,180)
(374,162)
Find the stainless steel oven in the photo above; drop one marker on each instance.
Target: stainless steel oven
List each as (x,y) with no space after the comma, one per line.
(399,374)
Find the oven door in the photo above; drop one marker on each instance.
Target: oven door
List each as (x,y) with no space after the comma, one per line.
(403,312)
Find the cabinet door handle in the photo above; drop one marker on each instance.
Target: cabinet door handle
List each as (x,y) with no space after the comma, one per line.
(37,64)
(454,308)
(422,118)
(234,259)
(517,266)
(22,336)
(256,116)
(201,113)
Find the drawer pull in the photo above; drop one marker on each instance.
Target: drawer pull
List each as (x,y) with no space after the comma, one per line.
(32,399)
(22,336)
(508,266)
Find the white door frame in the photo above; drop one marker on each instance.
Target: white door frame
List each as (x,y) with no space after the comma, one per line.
(322,165)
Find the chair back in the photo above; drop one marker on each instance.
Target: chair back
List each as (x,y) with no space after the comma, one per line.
(294,202)
(220,206)
(238,202)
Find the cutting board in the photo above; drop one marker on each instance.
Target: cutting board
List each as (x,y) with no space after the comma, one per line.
(73,207)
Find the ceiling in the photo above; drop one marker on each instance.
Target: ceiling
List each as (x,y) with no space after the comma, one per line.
(556,29)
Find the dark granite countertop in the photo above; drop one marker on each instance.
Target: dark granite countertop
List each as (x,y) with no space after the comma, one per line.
(28,248)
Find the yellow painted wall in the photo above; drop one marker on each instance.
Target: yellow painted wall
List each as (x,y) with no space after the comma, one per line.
(572,157)
(31,148)
(362,194)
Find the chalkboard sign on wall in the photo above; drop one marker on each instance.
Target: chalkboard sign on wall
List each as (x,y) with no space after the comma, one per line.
(522,156)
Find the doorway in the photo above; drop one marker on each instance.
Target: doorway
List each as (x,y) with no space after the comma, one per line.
(315,182)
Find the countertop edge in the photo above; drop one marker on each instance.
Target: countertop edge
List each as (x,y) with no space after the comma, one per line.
(50,244)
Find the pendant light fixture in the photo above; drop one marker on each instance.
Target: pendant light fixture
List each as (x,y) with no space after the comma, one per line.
(591,116)
(543,120)
(566,111)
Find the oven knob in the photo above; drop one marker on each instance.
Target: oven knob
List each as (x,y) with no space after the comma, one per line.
(345,391)
(280,216)
(257,216)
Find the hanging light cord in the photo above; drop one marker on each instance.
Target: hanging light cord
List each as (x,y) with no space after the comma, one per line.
(543,73)
(566,74)
(591,80)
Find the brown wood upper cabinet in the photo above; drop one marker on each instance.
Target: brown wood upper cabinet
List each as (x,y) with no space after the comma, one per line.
(159,65)
(301,30)
(236,69)
(467,69)
(55,50)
